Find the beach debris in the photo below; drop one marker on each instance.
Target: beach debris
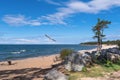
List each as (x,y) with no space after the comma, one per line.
(55,75)
(50,38)
(9,62)
(57,58)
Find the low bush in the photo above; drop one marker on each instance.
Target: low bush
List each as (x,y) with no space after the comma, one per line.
(84,69)
(65,52)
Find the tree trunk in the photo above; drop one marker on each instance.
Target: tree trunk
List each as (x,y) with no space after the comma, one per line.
(99,44)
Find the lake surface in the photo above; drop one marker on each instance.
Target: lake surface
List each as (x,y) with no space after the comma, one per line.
(26,51)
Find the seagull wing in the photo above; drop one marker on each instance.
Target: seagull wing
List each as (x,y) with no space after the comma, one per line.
(50,38)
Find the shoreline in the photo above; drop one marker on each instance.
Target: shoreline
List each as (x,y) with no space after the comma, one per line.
(39,62)
(32,66)
(30,57)
(103,47)
(36,62)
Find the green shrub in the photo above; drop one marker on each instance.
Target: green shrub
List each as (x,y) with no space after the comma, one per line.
(84,69)
(109,63)
(65,52)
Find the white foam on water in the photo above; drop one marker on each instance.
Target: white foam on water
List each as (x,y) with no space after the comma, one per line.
(19,52)
(23,50)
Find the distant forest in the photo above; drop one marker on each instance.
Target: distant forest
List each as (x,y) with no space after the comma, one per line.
(104,42)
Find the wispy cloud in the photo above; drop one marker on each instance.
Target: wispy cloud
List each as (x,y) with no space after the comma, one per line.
(64,12)
(4,40)
(53,2)
(26,40)
(20,20)
(113,37)
(73,7)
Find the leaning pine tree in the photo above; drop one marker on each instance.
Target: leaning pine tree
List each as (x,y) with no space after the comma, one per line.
(98,31)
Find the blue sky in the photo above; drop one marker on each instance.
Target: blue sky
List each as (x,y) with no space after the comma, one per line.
(66,21)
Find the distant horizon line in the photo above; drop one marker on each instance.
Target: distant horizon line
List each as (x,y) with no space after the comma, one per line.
(40,44)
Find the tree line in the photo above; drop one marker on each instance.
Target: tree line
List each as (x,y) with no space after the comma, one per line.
(109,42)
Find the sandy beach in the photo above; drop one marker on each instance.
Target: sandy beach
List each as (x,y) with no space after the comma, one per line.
(103,47)
(30,66)
(27,67)
(36,62)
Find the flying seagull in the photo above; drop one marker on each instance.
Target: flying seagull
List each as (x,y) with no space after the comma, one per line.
(50,38)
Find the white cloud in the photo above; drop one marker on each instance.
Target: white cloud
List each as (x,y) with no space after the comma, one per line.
(113,37)
(4,40)
(64,12)
(73,7)
(26,40)
(98,5)
(93,6)
(20,20)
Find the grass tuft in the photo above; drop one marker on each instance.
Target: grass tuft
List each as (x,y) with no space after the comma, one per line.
(95,71)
